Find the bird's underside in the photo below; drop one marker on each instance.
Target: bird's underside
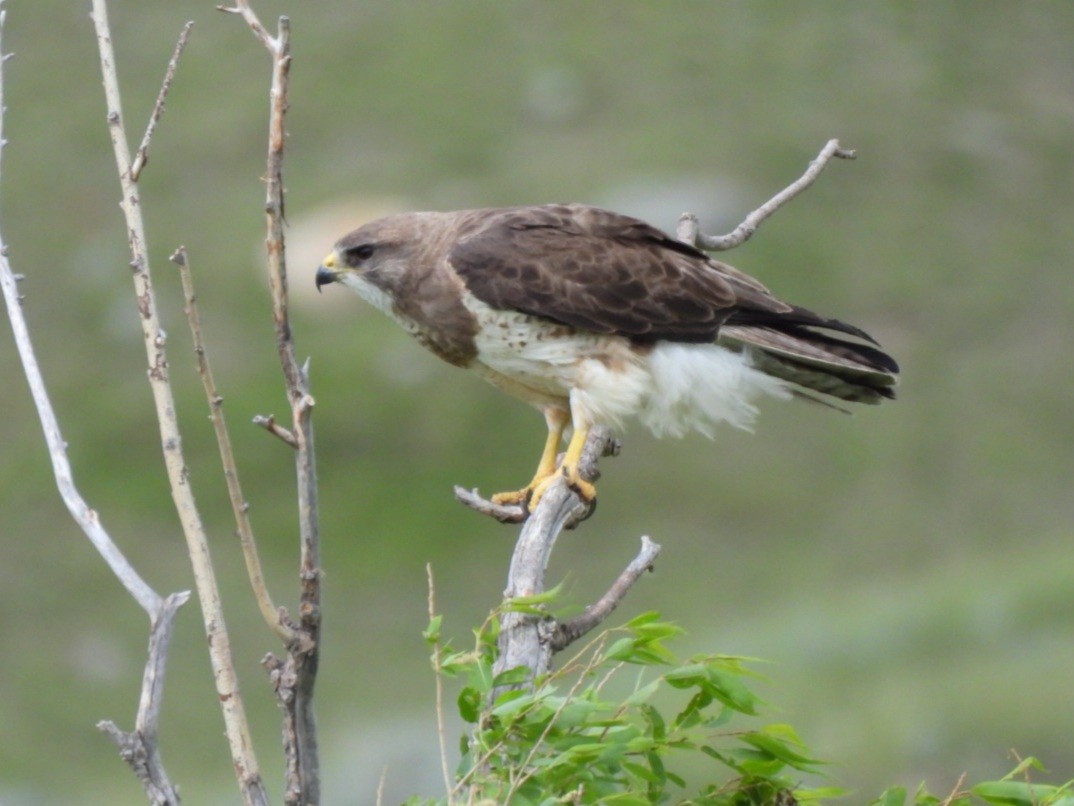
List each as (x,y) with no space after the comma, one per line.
(594,317)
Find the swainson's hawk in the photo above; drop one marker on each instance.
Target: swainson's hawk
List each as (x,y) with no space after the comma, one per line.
(593,316)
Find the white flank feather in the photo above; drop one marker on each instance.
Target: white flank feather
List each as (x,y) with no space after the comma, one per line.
(697,386)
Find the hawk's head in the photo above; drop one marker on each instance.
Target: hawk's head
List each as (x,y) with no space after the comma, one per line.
(382,252)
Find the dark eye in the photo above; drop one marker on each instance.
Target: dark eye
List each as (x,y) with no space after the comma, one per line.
(356,254)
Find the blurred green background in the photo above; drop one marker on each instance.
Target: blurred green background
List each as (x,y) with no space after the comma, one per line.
(908,571)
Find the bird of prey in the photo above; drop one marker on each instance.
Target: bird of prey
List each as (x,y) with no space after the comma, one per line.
(593,317)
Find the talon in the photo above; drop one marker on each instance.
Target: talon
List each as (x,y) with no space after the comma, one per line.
(513,497)
(584,489)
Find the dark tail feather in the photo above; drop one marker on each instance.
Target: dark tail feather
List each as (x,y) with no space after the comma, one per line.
(791,350)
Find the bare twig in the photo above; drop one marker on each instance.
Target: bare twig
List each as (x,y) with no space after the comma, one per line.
(688,229)
(242,8)
(140,747)
(227,686)
(300,728)
(269,424)
(956,792)
(441,729)
(141,156)
(504,513)
(568,632)
(240,508)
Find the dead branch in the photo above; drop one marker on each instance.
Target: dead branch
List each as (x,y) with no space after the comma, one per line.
(139,747)
(241,509)
(526,639)
(269,424)
(297,675)
(688,229)
(568,632)
(236,728)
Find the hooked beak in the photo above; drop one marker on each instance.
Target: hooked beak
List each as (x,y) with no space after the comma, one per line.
(326,272)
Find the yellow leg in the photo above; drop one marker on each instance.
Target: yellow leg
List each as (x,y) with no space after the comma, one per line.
(557,420)
(569,469)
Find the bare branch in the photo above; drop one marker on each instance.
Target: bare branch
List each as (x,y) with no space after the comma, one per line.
(236,728)
(300,668)
(141,156)
(139,747)
(239,507)
(504,513)
(269,424)
(525,639)
(568,632)
(688,229)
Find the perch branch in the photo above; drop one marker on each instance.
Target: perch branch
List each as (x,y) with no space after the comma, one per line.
(525,639)
(227,686)
(517,513)
(138,748)
(688,229)
(239,507)
(299,674)
(568,632)
(141,156)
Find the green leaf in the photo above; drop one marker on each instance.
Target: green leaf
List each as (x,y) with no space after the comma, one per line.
(643,694)
(1023,766)
(515,602)
(479,675)
(510,703)
(729,690)
(470,701)
(512,677)
(779,748)
(621,649)
(432,632)
(821,794)
(1014,793)
(657,727)
(642,619)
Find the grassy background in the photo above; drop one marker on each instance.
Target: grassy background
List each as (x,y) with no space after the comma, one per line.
(908,571)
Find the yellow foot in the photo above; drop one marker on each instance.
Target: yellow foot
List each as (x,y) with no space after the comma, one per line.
(586,491)
(513,497)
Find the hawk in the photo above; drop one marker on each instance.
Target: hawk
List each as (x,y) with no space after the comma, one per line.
(593,317)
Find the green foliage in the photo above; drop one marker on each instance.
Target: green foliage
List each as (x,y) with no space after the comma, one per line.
(572,740)
(1005,792)
(581,737)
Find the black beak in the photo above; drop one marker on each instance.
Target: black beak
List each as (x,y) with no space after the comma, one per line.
(324,277)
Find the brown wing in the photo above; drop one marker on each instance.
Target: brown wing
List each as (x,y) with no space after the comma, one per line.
(604,272)
(608,273)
